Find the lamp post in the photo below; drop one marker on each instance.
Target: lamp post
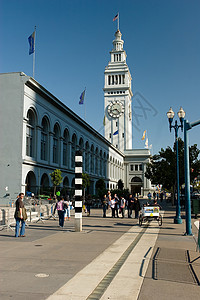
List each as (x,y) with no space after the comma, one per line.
(188,126)
(181,115)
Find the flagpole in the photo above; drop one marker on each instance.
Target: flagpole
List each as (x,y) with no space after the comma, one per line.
(118,21)
(34,54)
(85,108)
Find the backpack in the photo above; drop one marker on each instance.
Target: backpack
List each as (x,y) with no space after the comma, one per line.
(60,205)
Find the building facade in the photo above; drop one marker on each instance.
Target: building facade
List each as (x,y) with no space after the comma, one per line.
(40,134)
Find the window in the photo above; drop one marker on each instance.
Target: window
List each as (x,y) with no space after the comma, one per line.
(55,143)
(113,79)
(110,135)
(30,134)
(116,124)
(96,162)
(65,148)
(44,139)
(136,167)
(87,157)
(123,134)
(140,166)
(131,167)
(74,142)
(92,159)
(109,80)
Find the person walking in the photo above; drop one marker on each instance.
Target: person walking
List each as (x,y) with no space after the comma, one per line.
(20,216)
(117,202)
(104,205)
(137,207)
(60,206)
(68,209)
(122,205)
(130,205)
(112,205)
(149,196)
(88,203)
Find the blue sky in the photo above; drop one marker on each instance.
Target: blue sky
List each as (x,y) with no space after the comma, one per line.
(73,40)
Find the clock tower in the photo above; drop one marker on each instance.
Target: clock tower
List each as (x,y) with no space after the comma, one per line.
(117,98)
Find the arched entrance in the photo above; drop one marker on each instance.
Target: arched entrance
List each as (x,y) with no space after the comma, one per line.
(30,183)
(44,184)
(136,185)
(66,182)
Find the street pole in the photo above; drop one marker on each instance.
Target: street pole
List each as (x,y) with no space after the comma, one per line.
(181,115)
(177,219)
(78,190)
(187,126)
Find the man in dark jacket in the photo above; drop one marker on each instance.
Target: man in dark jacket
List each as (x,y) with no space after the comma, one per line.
(130,205)
(137,207)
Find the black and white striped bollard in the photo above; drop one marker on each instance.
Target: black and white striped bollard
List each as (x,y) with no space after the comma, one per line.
(78,190)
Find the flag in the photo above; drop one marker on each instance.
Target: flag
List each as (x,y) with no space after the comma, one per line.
(82,96)
(143,137)
(116,17)
(147,143)
(104,121)
(115,133)
(31,40)
(150,147)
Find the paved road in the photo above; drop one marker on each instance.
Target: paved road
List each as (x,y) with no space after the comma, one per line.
(110,259)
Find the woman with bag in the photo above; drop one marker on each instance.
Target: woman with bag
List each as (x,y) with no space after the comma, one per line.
(60,206)
(20,216)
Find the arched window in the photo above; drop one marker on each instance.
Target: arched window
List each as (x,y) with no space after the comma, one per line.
(65,148)
(101,163)
(30,183)
(104,165)
(44,183)
(96,162)
(44,139)
(74,143)
(66,182)
(136,179)
(92,160)
(56,135)
(87,157)
(30,134)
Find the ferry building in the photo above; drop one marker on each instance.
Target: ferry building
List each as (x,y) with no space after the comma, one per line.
(39,134)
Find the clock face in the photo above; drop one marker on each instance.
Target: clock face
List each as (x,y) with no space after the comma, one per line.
(115,109)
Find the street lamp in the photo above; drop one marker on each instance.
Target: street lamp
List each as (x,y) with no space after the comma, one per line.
(187,127)
(181,115)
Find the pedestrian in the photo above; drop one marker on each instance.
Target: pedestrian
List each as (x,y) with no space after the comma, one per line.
(20,216)
(68,209)
(88,203)
(122,205)
(137,207)
(149,196)
(60,206)
(117,202)
(104,205)
(112,206)
(154,195)
(130,205)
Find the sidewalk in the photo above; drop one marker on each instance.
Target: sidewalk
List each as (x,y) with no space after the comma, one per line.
(110,259)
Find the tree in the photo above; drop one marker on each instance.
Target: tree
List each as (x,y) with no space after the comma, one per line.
(162,167)
(86,181)
(100,187)
(56,179)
